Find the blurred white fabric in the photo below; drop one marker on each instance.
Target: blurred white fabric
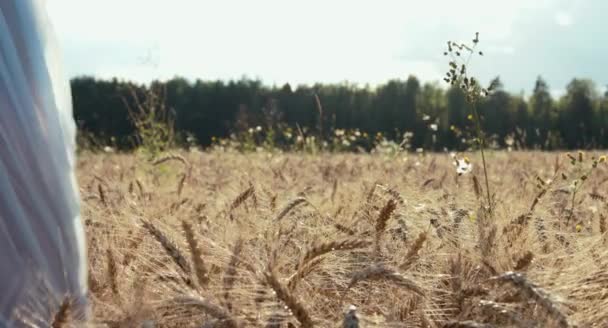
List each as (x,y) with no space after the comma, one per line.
(42,249)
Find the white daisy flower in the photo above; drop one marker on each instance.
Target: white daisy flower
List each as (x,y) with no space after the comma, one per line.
(463,166)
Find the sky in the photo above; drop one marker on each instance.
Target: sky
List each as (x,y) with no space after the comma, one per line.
(333,41)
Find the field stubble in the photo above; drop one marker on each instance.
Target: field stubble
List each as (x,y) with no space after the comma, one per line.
(341,240)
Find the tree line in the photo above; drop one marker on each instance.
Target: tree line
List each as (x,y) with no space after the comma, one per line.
(430,115)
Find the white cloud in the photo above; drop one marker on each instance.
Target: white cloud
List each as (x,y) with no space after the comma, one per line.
(557,93)
(298,42)
(506,50)
(563,19)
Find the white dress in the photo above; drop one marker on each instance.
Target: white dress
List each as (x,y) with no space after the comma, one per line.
(42,246)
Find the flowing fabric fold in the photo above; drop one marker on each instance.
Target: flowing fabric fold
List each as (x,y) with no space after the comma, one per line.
(42,250)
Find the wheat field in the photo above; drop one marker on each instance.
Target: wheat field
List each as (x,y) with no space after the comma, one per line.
(222,239)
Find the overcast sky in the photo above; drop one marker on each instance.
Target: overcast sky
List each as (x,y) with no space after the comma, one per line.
(311,41)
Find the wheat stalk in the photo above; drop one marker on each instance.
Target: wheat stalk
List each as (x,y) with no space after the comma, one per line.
(171,157)
(62,317)
(230,275)
(380,272)
(170,248)
(113,273)
(290,206)
(102,195)
(180,184)
(383,217)
(282,293)
(209,308)
(537,294)
(334,245)
(524,262)
(200,269)
(133,246)
(467,324)
(412,254)
(240,199)
(302,272)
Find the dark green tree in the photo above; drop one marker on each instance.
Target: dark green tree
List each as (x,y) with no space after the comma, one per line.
(543,118)
(577,114)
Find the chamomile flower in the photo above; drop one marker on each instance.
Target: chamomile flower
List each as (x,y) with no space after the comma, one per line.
(463,165)
(574,185)
(419,207)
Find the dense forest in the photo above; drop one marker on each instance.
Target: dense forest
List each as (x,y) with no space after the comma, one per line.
(432,115)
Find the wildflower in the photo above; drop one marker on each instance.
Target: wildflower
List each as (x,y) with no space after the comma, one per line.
(339,132)
(357,133)
(345,143)
(572,187)
(419,150)
(250,130)
(470,117)
(108,149)
(350,318)
(463,166)
(433,127)
(572,158)
(602,159)
(426,118)
(258,128)
(472,217)
(579,228)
